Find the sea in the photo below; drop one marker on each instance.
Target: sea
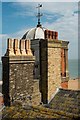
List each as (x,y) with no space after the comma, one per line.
(73,66)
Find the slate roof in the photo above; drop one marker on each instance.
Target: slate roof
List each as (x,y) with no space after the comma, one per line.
(65,104)
(67,101)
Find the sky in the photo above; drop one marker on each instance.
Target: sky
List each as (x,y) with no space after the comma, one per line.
(16,17)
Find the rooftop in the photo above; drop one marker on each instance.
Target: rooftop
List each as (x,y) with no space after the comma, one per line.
(65,104)
(34,33)
(67,101)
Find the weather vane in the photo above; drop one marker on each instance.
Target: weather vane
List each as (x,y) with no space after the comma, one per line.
(39,14)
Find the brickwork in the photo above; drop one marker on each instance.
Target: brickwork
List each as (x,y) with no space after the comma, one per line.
(18,67)
(50,67)
(18,64)
(54,70)
(18,47)
(36,97)
(51,34)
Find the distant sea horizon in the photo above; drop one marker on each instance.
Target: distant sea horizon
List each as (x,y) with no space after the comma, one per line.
(73,66)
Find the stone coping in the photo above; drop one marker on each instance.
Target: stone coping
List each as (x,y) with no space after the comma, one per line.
(19,58)
(52,40)
(56,43)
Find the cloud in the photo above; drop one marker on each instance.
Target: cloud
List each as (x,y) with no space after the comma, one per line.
(66,21)
(67,27)
(53,16)
(26,8)
(18,34)
(24,13)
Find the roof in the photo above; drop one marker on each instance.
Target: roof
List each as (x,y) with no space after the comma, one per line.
(34,33)
(33,113)
(67,101)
